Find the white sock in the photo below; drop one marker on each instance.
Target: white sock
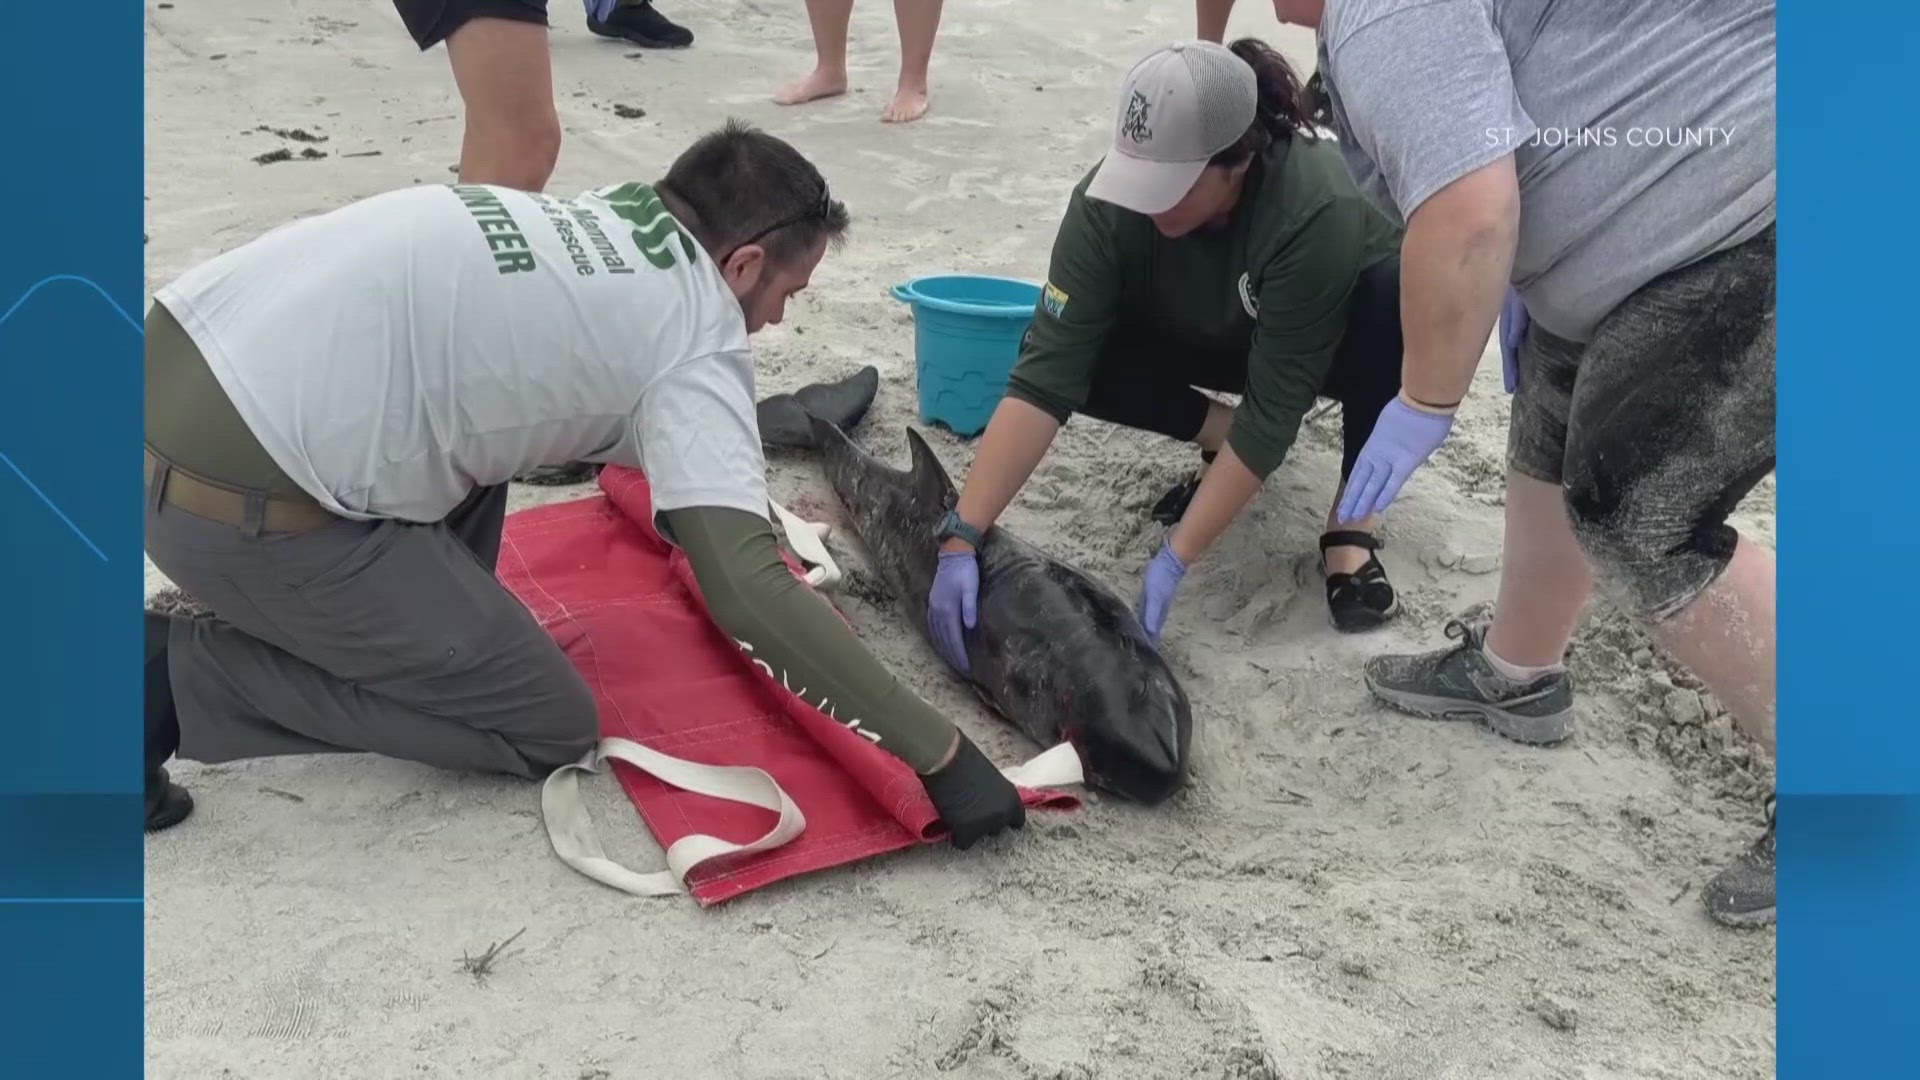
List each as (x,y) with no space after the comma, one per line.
(1515,672)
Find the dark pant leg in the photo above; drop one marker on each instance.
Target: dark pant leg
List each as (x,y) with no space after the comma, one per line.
(1147,381)
(1671,424)
(1365,373)
(478,522)
(363,636)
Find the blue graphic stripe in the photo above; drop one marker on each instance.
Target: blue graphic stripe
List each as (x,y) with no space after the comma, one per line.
(53,506)
(127,317)
(54,279)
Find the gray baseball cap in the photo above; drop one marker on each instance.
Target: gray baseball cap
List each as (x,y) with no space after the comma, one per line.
(1178,107)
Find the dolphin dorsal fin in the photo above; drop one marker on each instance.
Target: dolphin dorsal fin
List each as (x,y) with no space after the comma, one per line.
(929,476)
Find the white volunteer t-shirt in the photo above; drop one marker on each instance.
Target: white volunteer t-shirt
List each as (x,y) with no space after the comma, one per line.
(398,352)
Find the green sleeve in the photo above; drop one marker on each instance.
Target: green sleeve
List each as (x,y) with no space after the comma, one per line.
(798,638)
(1077,309)
(1305,292)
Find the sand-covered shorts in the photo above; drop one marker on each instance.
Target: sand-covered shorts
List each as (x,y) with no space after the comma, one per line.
(1660,425)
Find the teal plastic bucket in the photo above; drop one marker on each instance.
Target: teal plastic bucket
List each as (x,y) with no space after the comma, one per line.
(966,336)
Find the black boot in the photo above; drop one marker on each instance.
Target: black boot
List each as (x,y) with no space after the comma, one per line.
(636,21)
(168,804)
(1173,505)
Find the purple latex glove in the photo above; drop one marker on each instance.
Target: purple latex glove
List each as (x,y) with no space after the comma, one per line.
(1162,579)
(1402,440)
(1513,331)
(953,604)
(599,10)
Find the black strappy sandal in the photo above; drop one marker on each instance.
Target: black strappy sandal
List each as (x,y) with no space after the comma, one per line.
(1173,505)
(1363,600)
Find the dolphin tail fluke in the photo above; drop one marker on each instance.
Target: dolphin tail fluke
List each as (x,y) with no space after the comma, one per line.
(822,433)
(791,420)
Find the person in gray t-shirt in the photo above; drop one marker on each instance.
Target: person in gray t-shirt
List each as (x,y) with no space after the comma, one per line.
(1608,170)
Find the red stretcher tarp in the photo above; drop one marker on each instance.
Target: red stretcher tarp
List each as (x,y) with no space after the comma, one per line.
(622,604)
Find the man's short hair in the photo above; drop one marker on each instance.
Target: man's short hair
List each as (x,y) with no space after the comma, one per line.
(746,186)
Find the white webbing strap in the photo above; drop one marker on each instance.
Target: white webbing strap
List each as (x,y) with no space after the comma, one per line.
(1058,767)
(570,827)
(807,540)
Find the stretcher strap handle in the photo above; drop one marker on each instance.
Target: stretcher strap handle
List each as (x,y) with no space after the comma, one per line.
(807,540)
(570,828)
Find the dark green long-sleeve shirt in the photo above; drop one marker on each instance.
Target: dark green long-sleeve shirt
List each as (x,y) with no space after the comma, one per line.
(1275,281)
(755,599)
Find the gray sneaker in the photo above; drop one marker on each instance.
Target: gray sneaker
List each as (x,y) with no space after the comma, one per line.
(1458,683)
(1742,894)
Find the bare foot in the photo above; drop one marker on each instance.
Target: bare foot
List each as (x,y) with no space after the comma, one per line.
(819,84)
(906,105)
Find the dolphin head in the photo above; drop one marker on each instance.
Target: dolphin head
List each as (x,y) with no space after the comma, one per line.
(1138,747)
(1124,711)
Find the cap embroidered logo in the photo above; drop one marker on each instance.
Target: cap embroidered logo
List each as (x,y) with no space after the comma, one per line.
(1134,125)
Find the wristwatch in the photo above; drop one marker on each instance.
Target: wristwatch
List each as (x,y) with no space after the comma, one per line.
(951,525)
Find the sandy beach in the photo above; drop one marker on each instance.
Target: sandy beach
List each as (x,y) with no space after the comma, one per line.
(1341,892)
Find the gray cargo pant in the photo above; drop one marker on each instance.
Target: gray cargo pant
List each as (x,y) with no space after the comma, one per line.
(375,636)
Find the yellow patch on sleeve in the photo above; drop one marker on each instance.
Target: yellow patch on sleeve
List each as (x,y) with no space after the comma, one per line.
(1054,299)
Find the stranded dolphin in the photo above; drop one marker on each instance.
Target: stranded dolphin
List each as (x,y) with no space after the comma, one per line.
(1052,650)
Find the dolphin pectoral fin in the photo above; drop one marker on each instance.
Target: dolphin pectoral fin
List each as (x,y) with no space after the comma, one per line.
(1058,767)
(929,476)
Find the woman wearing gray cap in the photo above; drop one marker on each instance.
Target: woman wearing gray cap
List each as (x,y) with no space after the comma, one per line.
(1220,245)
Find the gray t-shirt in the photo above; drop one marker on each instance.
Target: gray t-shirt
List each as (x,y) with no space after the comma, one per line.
(1642,130)
(395,353)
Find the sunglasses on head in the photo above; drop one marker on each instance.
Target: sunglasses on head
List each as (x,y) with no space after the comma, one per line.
(823,209)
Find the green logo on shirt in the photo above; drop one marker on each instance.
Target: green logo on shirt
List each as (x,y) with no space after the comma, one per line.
(654,229)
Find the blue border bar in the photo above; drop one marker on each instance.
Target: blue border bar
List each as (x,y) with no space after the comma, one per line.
(71,1000)
(1848,949)
(1849,380)
(70,419)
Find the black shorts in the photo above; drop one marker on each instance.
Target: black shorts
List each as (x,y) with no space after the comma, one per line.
(1660,425)
(1145,380)
(432,21)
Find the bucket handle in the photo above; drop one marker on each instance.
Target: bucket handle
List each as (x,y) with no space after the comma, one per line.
(906,295)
